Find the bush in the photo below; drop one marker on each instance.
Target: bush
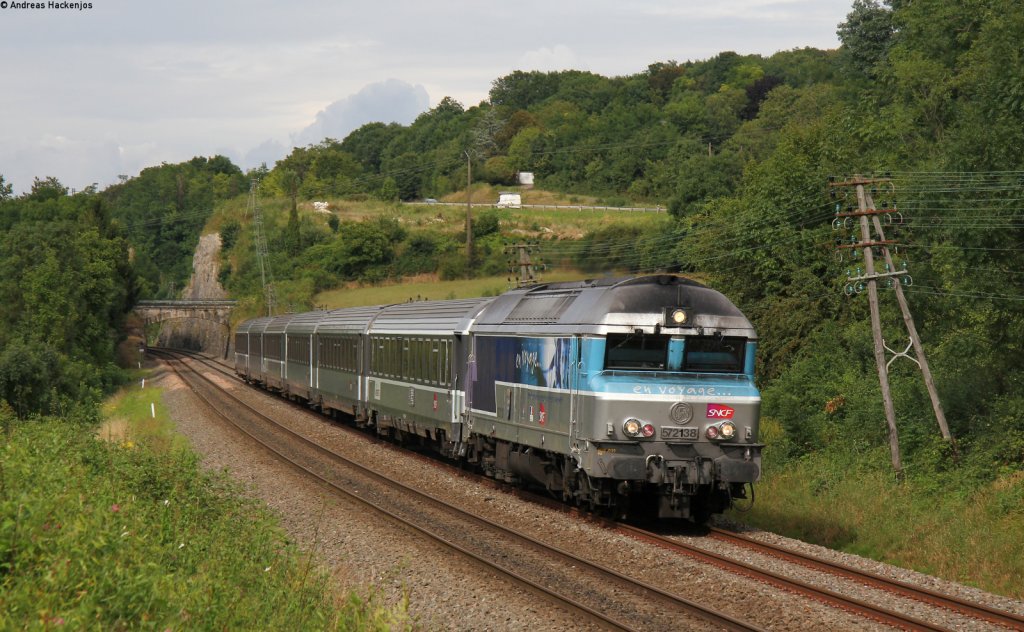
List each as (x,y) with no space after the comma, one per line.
(486,223)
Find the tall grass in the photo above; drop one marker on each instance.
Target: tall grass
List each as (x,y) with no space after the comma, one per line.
(853,503)
(131,533)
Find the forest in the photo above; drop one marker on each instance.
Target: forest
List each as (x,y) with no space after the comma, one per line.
(924,96)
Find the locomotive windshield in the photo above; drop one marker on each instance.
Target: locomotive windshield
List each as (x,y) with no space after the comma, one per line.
(692,354)
(636,352)
(714,354)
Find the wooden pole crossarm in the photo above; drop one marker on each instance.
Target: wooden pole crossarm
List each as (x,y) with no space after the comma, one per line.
(870,211)
(869,244)
(860,182)
(878,275)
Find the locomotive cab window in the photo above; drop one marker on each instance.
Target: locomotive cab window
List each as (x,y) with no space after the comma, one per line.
(714,354)
(636,352)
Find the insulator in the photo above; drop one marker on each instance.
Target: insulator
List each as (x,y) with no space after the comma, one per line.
(850,289)
(831,178)
(832,194)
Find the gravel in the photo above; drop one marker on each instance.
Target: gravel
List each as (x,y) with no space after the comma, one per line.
(445,592)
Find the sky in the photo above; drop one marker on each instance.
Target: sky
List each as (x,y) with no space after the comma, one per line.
(97,89)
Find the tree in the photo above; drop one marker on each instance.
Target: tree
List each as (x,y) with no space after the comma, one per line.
(5,189)
(47,189)
(867,35)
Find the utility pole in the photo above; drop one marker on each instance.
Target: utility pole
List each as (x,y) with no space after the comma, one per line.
(908,321)
(868,217)
(260,240)
(519,261)
(469,208)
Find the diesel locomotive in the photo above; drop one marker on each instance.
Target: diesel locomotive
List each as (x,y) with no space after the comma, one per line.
(628,396)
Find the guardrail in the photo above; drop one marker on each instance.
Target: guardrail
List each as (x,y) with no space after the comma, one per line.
(554,207)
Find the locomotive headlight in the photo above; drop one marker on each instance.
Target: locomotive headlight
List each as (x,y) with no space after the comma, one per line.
(648,430)
(712,432)
(632,427)
(728,430)
(676,317)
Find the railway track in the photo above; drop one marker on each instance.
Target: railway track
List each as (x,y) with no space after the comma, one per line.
(667,615)
(860,607)
(924,595)
(867,609)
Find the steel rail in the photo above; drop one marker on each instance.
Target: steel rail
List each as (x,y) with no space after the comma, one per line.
(935,598)
(850,604)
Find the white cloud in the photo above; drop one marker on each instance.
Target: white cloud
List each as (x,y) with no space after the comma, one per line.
(268,152)
(559,57)
(390,101)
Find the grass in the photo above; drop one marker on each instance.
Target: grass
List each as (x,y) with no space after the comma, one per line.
(131,533)
(533,223)
(128,417)
(975,538)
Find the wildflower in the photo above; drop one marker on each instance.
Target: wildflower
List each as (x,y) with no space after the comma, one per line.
(267,569)
(181,546)
(166,502)
(115,508)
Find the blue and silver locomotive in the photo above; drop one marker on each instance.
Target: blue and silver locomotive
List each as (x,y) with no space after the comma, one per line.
(629,396)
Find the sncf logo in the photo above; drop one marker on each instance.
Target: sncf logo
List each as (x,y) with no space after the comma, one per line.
(720,411)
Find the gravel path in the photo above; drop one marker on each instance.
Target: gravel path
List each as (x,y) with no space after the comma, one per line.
(447,593)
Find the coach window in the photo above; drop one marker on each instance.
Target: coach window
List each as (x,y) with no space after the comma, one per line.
(446,364)
(421,364)
(432,363)
(424,361)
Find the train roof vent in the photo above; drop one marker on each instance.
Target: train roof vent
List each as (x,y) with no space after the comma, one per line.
(540,309)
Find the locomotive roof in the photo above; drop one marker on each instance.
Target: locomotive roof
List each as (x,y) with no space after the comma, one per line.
(613,304)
